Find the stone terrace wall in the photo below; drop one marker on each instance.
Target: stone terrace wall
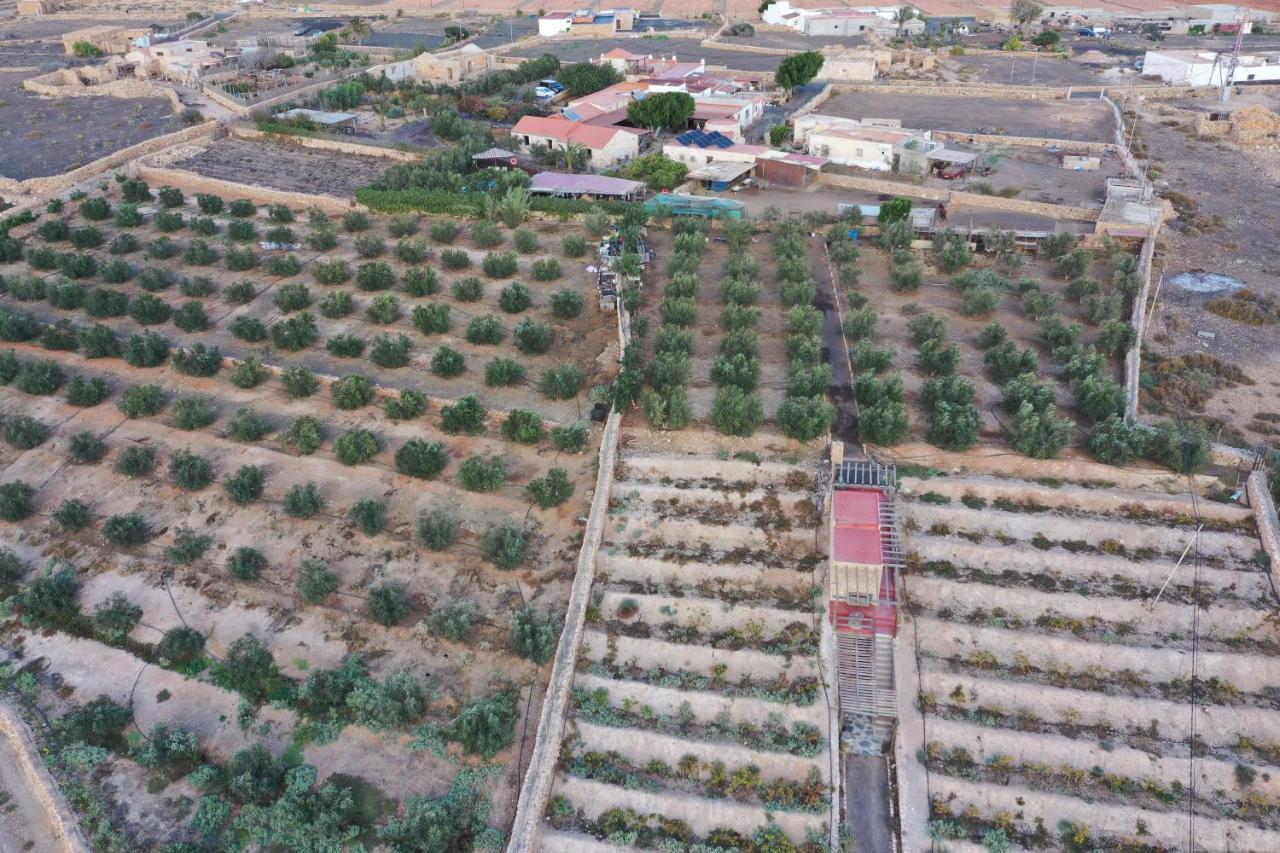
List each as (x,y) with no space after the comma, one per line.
(876,185)
(190,182)
(66,829)
(58,183)
(1264,513)
(1024,141)
(1016,93)
(326,144)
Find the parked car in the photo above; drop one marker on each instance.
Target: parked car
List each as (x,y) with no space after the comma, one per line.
(554,85)
(1138,63)
(950,173)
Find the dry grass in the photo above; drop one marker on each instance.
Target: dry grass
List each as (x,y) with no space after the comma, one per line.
(1247,306)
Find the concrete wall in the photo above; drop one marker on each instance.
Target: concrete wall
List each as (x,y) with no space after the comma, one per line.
(1264,513)
(1024,93)
(1055,211)
(1024,141)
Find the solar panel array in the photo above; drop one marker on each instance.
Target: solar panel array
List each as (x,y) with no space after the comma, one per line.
(702,139)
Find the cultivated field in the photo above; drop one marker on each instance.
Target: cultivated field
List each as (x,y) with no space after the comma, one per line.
(700,711)
(292,168)
(1056,666)
(335,519)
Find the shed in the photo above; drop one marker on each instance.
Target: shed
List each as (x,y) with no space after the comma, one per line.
(344,122)
(595,186)
(720,175)
(793,171)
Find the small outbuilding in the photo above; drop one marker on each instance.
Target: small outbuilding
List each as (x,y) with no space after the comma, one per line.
(336,122)
(585,186)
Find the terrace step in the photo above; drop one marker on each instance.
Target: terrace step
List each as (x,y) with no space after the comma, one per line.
(1075,497)
(1062,528)
(628,491)
(706,706)
(701,814)
(985,742)
(1217,725)
(940,639)
(689,468)
(687,575)
(647,653)
(1165,828)
(640,747)
(1247,585)
(708,613)
(694,535)
(1216,621)
(555,841)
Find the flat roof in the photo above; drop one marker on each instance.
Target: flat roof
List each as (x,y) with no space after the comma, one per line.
(721,171)
(552,183)
(855,516)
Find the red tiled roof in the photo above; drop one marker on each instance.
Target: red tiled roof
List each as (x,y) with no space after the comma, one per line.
(563,130)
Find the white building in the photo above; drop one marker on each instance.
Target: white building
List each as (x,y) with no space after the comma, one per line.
(555,23)
(1207,68)
(836,21)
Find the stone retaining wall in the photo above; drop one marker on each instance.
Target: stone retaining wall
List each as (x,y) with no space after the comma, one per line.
(1138,319)
(1023,93)
(1264,513)
(536,789)
(58,183)
(190,182)
(1024,141)
(40,784)
(355,148)
(876,185)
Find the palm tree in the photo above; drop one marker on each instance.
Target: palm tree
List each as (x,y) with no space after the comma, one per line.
(574,156)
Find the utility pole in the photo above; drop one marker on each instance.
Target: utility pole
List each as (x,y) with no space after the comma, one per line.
(1235,61)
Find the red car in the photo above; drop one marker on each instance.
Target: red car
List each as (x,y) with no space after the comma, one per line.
(950,173)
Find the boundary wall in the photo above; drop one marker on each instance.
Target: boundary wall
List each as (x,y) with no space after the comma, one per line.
(190,182)
(321,144)
(875,185)
(67,834)
(1022,93)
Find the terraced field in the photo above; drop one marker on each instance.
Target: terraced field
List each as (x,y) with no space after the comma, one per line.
(1054,633)
(700,711)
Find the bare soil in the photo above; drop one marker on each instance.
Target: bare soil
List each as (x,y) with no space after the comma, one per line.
(284,167)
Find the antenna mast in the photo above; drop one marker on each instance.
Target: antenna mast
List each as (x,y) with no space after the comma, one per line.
(1235,61)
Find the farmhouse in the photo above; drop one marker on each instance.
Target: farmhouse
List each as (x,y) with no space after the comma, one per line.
(106,38)
(1207,68)
(607,146)
(451,66)
(183,61)
(35,8)
(836,21)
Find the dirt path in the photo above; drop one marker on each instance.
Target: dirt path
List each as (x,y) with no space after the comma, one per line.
(29,814)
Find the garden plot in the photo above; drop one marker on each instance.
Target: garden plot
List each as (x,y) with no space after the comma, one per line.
(292,168)
(1053,628)
(699,703)
(348,589)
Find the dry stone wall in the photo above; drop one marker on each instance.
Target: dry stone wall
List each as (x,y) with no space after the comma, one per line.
(875,185)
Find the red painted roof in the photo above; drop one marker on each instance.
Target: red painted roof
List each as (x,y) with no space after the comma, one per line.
(564,130)
(856,516)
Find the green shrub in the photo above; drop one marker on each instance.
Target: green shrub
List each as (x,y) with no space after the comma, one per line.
(356,446)
(523,426)
(72,515)
(447,363)
(546,269)
(50,598)
(467,417)
(115,618)
(124,244)
(136,461)
(191,317)
(199,253)
(499,264)
(443,231)
(566,304)
(199,360)
(98,341)
(63,295)
(469,289)
(953,426)
(295,333)
(486,330)
(376,275)
(240,293)
(249,373)
(193,413)
(304,435)
(146,350)
(330,272)
(246,564)
(736,412)
(514,298)
(455,259)
(86,448)
(550,491)
(937,359)
(40,378)
(805,418)
(407,406)
(421,459)
(369,514)
(403,225)
(421,281)
(188,546)
(95,209)
(388,603)
(384,309)
(453,619)
(168,221)
(391,352)
(437,529)
(432,319)
(574,246)
(242,208)
(337,304)
(204,226)
(413,251)
(299,382)
(283,266)
(282,235)
(127,216)
(533,635)
(115,271)
(486,234)
(666,408)
(355,221)
(351,392)
(292,297)
(171,197)
(303,500)
(480,474)
(242,231)
(370,246)
(505,546)
(572,439)
(1117,441)
(87,392)
(53,230)
(250,671)
(248,425)
(180,645)
(1183,446)
(148,310)
(124,531)
(196,286)
(189,471)
(322,240)
(315,581)
(532,337)
(562,382)
(246,484)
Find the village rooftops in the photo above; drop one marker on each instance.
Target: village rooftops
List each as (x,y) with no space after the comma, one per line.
(865,134)
(565,131)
